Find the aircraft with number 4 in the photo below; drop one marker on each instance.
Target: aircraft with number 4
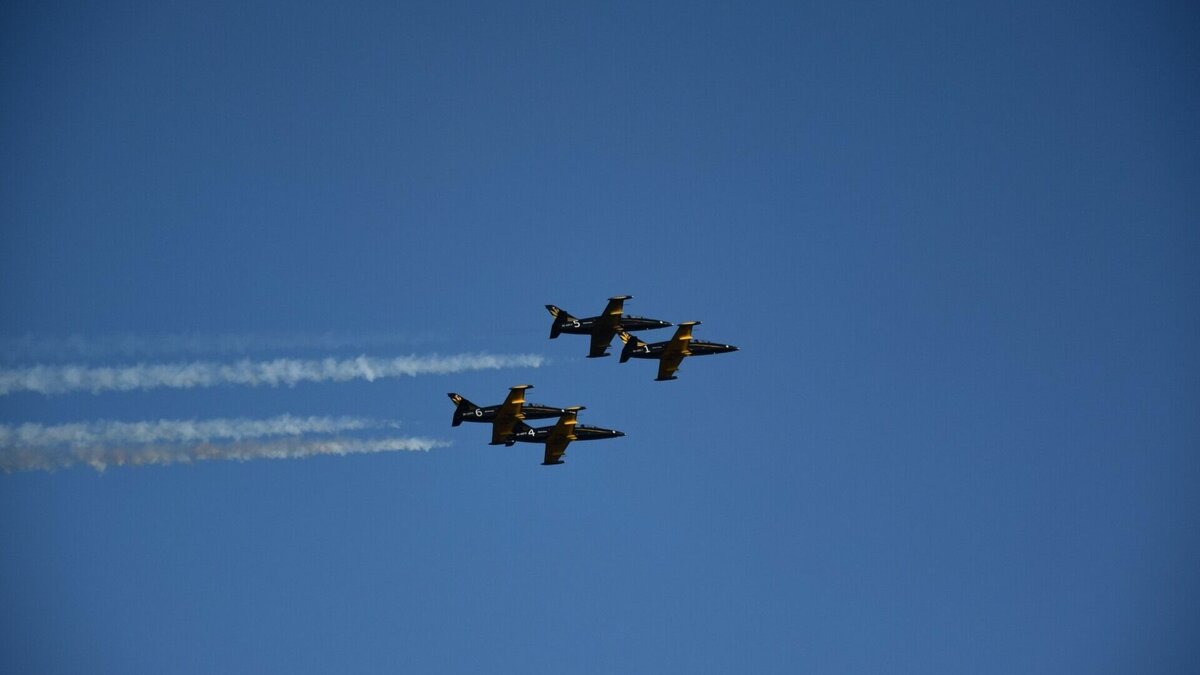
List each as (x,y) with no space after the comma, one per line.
(672,352)
(559,436)
(602,328)
(504,417)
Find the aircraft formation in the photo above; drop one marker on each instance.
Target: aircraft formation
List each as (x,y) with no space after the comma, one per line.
(508,418)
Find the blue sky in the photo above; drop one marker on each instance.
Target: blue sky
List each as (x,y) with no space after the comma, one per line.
(956,243)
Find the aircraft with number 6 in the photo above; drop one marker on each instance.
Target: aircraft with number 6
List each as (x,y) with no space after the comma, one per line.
(602,328)
(559,436)
(503,417)
(672,352)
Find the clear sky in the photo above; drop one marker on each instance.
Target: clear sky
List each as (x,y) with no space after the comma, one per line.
(957,243)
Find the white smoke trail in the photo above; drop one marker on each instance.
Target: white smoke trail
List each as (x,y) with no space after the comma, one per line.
(106,442)
(59,379)
(101,457)
(31,347)
(109,432)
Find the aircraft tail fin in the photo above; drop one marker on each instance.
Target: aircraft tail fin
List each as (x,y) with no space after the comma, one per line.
(631,345)
(560,316)
(461,407)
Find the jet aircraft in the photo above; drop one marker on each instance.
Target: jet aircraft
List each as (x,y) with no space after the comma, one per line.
(602,328)
(503,417)
(672,352)
(557,437)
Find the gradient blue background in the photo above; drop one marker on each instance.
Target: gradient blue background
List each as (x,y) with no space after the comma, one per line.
(956,242)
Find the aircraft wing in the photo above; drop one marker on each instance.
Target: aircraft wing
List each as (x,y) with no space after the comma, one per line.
(667,366)
(554,452)
(502,432)
(678,345)
(516,399)
(601,338)
(509,414)
(560,436)
(616,306)
(607,325)
(676,349)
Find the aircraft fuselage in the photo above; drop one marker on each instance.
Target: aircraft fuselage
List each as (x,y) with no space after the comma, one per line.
(695,348)
(582,432)
(530,411)
(591,324)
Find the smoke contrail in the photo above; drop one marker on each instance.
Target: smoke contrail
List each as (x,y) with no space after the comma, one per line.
(74,347)
(105,442)
(109,432)
(100,457)
(59,379)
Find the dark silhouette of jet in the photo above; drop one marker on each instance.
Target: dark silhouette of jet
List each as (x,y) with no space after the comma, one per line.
(672,352)
(602,328)
(503,417)
(557,437)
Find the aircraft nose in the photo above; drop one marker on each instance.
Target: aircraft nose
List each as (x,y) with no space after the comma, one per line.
(618,434)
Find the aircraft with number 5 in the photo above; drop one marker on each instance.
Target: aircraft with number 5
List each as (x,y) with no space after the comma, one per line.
(602,328)
(559,436)
(503,417)
(672,352)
